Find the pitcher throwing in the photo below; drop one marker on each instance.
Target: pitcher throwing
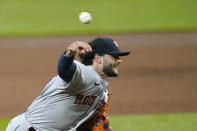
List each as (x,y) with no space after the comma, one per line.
(77,97)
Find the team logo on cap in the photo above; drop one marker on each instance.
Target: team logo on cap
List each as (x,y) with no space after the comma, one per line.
(116,43)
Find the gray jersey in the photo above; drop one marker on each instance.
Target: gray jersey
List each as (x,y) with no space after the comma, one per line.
(64,106)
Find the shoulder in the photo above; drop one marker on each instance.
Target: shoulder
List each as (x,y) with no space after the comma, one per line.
(85,68)
(87,72)
(79,65)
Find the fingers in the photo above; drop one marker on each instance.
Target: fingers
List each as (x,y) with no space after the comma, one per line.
(84,46)
(71,51)
(78,47)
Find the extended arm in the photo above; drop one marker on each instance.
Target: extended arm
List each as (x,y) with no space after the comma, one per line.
(66,66)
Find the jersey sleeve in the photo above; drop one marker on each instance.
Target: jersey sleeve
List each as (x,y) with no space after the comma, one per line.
(75,74)
(66,67)
(83,76)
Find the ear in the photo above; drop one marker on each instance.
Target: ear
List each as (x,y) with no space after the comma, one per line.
(98,59)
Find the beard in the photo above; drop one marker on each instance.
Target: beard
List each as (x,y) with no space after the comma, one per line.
(109,71)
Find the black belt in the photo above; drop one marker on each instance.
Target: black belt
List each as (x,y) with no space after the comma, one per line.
(31,129)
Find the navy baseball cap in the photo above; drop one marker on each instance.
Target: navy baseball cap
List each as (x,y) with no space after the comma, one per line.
(104,45)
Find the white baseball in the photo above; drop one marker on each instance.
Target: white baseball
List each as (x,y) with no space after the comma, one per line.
(85,17)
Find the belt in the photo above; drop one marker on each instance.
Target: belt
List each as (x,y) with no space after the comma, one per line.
(31,129)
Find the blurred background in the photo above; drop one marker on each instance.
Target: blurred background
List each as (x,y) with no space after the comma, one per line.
(157,85)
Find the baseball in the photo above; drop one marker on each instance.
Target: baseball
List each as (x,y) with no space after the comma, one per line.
(85,17)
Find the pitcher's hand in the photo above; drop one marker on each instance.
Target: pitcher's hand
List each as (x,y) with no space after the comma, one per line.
(77,47)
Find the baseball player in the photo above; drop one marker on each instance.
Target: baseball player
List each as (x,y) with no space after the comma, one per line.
(77,97)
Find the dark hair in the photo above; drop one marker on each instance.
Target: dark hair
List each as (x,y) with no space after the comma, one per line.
(87,58)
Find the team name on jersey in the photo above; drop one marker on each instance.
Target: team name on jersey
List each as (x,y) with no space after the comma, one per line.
(88,100)
(85,100)
(101,105)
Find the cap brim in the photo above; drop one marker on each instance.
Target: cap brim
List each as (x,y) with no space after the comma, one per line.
(120,53)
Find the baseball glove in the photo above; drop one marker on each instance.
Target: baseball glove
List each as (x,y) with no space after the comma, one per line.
(99,122)
(102,123)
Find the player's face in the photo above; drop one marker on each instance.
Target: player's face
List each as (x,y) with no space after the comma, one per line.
(111,64)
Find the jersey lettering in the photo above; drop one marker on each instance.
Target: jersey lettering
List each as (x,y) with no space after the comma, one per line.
(84,100)
(79,99)
(101,104)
